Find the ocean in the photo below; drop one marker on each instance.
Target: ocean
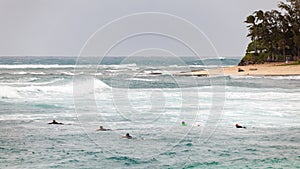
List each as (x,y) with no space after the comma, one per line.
(144,97)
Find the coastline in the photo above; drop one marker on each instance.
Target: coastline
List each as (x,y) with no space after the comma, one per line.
(266,69)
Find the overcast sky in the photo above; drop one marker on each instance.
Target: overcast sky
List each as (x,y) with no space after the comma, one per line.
(61,27)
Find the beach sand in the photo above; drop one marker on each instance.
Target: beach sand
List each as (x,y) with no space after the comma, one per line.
(267,69)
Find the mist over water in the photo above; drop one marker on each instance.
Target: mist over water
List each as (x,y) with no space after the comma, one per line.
(141,96)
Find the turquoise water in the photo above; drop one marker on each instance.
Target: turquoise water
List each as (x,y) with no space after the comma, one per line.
(141,96)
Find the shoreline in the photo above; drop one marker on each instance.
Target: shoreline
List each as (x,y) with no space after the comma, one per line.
(266,69)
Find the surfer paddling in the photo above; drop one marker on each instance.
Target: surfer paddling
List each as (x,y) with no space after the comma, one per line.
(128,136)
(102,129)
(55,122)
(239,126)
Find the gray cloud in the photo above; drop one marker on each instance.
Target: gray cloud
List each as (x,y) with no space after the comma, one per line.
(61,27)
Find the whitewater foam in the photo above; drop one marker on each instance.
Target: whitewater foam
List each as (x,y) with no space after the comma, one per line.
(31,90)
(8,92)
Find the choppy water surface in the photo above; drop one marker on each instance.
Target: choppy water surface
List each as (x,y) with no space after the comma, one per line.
(144,99)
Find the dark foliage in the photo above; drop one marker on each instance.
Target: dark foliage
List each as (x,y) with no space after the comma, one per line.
(275,35)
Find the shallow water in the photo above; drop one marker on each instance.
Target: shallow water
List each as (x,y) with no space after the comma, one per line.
(128,98)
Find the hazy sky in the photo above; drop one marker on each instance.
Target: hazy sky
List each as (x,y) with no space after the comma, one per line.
(61,27)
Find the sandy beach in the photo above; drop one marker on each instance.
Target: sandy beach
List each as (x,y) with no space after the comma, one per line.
(267,69)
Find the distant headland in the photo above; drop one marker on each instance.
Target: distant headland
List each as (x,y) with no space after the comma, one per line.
(274,49)
(275,35)
(266,69)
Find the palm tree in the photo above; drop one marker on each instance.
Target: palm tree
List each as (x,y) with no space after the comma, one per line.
(274,33)
(292,15)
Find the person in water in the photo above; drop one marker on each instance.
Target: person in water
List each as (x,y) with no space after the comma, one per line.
(183,123)
(102,129)
(127,136)
(55,122)
(238,126)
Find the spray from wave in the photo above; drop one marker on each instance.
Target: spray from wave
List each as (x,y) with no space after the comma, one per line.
(54,87)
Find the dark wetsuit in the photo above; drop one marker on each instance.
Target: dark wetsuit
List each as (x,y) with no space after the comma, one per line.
(54,122)
(238,126)
(103,129)
(127,136)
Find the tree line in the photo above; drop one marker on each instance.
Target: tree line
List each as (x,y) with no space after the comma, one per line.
(275,34)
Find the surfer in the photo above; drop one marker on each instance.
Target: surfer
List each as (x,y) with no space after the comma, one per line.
(103,129)
(238,126)
(127,136)
(55,122)
(183,123)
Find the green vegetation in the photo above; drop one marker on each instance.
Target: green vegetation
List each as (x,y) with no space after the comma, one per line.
(275,35)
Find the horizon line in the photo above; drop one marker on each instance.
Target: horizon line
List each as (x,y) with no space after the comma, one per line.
(118,56)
